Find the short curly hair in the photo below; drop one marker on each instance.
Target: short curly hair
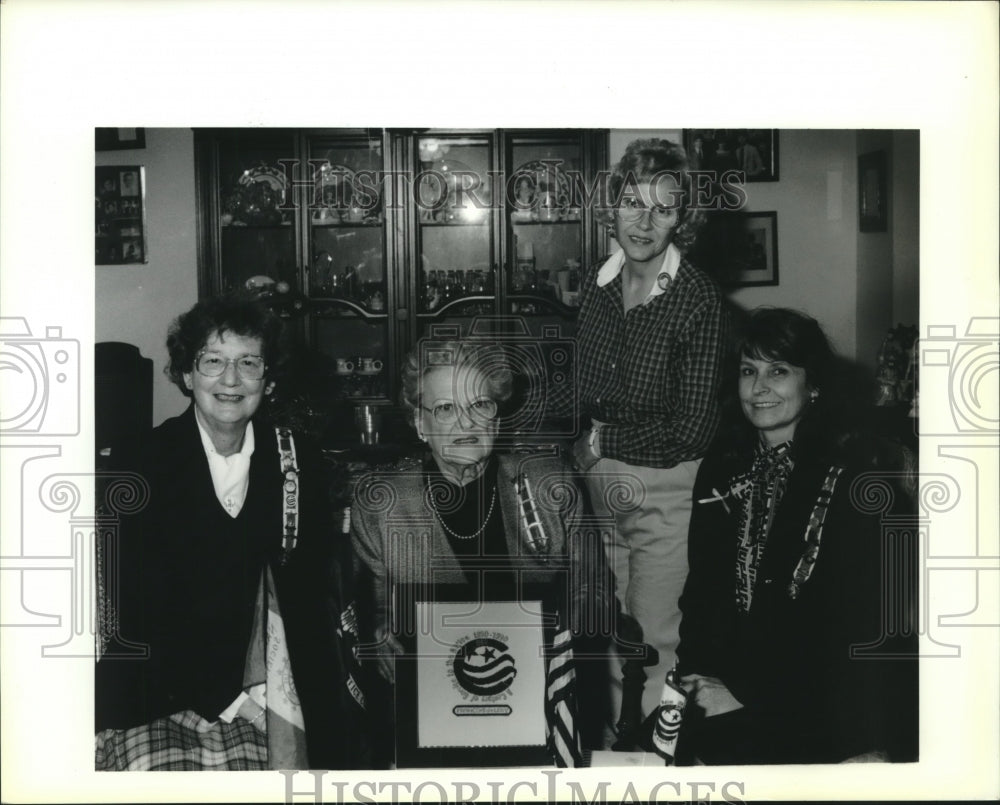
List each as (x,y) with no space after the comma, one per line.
(644,160)
(238,313)
(487,357)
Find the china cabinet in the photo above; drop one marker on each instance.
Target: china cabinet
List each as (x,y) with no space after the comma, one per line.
(370,239)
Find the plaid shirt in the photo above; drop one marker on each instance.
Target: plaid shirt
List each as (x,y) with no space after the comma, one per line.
(652,374)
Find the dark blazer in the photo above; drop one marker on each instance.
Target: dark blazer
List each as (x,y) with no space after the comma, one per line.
(788,660)
(187,583)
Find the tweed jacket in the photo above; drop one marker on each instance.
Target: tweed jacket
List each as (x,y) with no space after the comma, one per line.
(398,539)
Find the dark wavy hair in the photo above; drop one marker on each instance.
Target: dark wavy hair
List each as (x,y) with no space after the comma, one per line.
(236,312)
(643,161)
(489,358)
(782,334)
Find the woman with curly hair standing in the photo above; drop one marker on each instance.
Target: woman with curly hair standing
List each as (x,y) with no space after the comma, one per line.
(652,332)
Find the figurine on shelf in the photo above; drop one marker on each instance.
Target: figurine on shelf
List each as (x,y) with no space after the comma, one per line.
(894,372)
(350,275)
(324,275)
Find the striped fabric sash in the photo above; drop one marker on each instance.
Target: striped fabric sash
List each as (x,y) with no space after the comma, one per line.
(814,533)
(536,540)
(290,492)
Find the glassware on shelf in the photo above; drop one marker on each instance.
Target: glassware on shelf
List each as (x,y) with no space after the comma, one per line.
(524,268)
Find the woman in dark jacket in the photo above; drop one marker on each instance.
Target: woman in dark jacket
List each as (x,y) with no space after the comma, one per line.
(227,578)
(784,611)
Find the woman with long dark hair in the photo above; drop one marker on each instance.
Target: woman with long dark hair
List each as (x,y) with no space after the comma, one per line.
(783,651)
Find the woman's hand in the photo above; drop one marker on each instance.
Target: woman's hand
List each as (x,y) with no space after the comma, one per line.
(388,648)
(583,456)
(709,694)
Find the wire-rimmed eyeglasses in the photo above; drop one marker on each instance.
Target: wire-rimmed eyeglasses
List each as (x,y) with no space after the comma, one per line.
(481,411)
(632,209)
(213,364)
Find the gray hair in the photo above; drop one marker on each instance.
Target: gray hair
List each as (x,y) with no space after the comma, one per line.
(488,358)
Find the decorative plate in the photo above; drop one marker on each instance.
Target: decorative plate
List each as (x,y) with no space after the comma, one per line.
(270,176)
(333,186)
(436,192)
(540,183)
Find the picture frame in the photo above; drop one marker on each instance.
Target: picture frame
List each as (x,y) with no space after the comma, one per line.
(108,139)
(739,248)
(753,151)
(442,722)
(120,236)
(873,200)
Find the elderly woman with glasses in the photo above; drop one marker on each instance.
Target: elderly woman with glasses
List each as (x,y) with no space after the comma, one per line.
(465,515)
(224,576)
(651,336)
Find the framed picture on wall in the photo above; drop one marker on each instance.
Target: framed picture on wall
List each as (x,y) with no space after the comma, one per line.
(120,215)
(753,151)
(739,248)
(107,139)
(872,192)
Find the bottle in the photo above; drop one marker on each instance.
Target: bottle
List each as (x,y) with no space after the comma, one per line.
(432,293)
(524,270)
(669,717)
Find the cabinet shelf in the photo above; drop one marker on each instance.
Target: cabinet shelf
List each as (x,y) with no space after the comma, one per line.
(548,301)
(318,302)
(397,251)
(445,308)
(234,227)
(454,224)
(346,224)
(560,222)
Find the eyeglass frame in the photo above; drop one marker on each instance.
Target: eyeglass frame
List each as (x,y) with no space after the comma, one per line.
(234,361)
(468,414)
(642,208)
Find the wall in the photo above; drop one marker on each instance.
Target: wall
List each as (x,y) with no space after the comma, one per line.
(875,264)
(815,199)
(905,209)
(136,303)
(857,285)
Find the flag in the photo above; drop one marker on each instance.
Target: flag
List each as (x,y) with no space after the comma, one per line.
(560,703)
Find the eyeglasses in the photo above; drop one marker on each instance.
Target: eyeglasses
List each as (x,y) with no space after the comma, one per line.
(212,364)
(632,209)
(480,411)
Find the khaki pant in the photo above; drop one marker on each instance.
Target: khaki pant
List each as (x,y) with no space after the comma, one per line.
(651,510)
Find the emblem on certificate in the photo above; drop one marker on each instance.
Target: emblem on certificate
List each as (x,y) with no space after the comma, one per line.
(471,688)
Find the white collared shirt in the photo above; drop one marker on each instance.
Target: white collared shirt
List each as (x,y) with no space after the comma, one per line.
(231,479)
(230,474)
(671,262)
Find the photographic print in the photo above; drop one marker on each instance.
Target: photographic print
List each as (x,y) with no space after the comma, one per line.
(872,192)
(753,151)
(119,215)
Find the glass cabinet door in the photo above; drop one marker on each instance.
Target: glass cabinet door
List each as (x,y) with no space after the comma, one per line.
(547,245)
(256,214)
(345,274)
(454,230)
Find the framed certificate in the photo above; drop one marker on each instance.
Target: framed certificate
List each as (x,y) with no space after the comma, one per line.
(470,688)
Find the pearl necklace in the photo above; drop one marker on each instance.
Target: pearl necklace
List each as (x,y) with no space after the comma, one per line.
(456,535)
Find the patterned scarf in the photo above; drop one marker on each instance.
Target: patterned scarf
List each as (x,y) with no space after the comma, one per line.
(761,490)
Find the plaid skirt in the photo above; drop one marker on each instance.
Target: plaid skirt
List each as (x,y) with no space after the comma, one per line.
(183,742)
